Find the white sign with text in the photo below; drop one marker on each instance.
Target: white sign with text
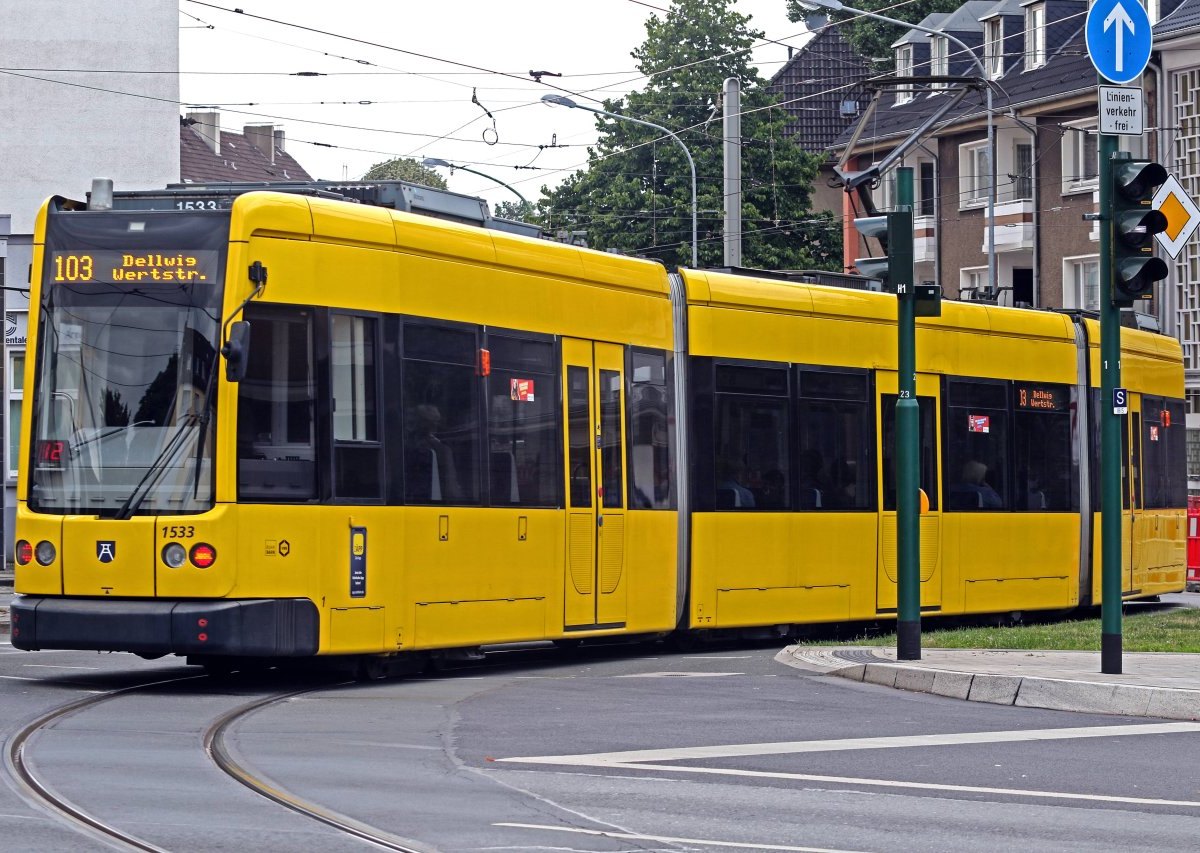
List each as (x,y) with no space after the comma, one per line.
(1122,110)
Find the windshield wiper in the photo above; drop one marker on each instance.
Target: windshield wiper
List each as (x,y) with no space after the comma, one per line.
(157,467)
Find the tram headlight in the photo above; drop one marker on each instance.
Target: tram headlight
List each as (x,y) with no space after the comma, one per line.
(23,552)
(174,555)
(203,555)
(45,553)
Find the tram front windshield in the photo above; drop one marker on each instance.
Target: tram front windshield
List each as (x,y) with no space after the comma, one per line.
(123,415)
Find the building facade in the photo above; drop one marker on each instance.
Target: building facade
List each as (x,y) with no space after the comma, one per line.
(70,118)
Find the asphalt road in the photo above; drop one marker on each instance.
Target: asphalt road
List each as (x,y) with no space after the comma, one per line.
(616,749)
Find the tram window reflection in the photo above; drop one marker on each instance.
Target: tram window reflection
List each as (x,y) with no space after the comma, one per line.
(522,424)
(976,428)
(835,470)
(441,417)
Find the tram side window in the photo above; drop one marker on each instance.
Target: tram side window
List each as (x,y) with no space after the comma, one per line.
(1164,454)
(927,433)
(650,442)
(751,437)
(836,470)
(441,416)
(976,436)
(276,444)
(1044,470)
(522,423)
(353,381)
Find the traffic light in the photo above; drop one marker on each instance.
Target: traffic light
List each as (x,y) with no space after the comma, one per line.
(895,235)
(1134,266)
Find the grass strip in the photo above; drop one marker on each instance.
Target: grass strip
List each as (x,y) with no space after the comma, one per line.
(1144,628)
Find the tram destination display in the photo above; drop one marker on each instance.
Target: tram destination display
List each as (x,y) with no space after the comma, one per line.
(142,266)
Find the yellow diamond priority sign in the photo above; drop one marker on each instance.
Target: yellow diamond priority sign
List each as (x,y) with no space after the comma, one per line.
(1182,215)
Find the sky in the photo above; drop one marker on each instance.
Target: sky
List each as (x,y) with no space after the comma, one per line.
(447,80)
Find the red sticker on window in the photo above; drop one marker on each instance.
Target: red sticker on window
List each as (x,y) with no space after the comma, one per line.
(521,390)
(979,423)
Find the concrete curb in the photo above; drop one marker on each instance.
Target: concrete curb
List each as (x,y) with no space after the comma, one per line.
(1027,691)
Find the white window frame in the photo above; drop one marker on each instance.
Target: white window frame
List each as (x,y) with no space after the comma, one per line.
(1035,36)
(939,59)
(16,395)
(1018,143)
(1075,271)
(904,68)
(921,197)
(973,180)
(993,50)
(972,279)
(1080,144)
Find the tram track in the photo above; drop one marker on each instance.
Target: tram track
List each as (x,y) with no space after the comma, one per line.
(218,750)
(39,792)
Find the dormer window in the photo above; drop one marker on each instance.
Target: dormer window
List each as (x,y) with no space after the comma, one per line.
(904,68)
(993,48)
(1035,36)
(939,60)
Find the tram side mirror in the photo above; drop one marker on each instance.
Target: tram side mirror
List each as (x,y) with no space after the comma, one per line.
(237,351)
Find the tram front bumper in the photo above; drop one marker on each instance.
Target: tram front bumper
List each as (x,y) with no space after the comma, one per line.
(273,627)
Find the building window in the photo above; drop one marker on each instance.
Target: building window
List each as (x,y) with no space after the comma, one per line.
(972,281)
(975,174)
(1081,283)
(1081,162)
(1035,36)
(16,393)
(939,60)
(926,189)
(904,68)
(1022,178)
(993,50)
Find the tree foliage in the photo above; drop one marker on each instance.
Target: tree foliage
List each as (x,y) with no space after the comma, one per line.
(405,169)
(636,196)
(873,39)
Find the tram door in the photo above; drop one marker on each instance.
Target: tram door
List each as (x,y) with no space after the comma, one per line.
(887,574)
(595,586)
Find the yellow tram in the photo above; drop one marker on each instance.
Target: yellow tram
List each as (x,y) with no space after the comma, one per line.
(271,424)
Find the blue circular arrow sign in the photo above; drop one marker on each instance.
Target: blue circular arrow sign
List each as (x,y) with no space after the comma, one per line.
(1118,39)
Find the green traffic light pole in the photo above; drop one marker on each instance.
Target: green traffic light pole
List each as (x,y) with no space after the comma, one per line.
(908,442)
(1110,428)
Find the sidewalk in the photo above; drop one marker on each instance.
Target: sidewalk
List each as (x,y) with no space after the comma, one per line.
(1150,685)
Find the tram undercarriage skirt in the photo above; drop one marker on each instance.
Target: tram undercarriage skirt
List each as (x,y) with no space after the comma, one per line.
(278,627)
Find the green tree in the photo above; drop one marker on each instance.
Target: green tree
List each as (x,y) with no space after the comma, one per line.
(405,169)
(874,39)
(520,211)
(635,195)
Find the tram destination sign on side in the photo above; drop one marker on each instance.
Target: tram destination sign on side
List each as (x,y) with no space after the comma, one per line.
(1122,110)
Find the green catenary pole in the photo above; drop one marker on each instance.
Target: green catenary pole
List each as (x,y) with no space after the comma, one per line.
(908,446)
(1110,428)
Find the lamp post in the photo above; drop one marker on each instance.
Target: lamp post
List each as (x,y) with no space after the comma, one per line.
(838,6)
(562,101)
(430,162)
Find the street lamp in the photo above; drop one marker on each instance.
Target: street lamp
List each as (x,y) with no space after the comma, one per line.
(430,162)
(562,101)
(838,6)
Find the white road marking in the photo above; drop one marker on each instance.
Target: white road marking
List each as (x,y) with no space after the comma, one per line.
(720,657)
(57,666)
(640,759)
(607,759)
(678,674)
(927,786)
(19,678)
(631,836)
